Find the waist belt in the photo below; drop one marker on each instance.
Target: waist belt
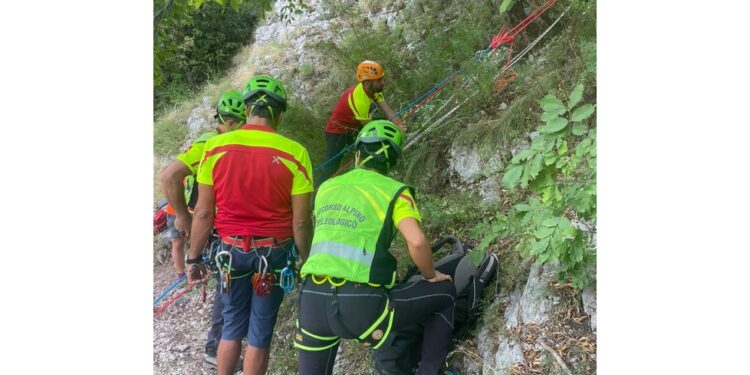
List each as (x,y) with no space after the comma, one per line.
(335,281)
(248,243)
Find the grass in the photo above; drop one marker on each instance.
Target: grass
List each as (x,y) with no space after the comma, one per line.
(168,136)
(417,55)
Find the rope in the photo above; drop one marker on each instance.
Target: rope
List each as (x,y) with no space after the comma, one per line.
(169,289)
(345,149)
(419,101)
(426,96)
(508,36)
(532,44)
(503,36)
(181,293)
(343,168)
(503,70)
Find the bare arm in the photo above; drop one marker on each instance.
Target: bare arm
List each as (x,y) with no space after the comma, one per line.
(391,115)
(419,249)
(203,220)
(301,223)
(171,184)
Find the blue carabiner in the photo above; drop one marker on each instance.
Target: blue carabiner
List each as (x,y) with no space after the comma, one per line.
(287,279)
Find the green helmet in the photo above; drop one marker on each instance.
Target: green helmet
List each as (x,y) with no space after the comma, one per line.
(230,104)
(381,131)
(264,84)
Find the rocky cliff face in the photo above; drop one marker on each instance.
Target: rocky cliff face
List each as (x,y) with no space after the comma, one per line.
(539,325)
(543,327)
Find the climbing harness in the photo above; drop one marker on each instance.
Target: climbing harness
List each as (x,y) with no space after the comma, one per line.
(330,280)
(374,336)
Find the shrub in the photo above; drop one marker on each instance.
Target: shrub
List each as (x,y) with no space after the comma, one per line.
(559,171)
(199,49)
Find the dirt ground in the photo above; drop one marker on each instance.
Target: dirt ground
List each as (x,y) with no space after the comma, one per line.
(180,330)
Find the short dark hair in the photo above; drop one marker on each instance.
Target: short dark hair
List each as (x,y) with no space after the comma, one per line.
(379,162)
(263,109)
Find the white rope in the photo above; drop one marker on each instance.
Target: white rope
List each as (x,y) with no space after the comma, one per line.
(532,44)
(411,142)
(512,62)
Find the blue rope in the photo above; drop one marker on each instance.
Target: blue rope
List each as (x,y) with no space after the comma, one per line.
(419,99)
(176,283)
(399,113)
(347,148)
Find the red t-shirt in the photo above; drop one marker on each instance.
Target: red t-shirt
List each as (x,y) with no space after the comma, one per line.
(254,173)
(353,106)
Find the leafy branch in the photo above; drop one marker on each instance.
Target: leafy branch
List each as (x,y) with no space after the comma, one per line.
(559,170)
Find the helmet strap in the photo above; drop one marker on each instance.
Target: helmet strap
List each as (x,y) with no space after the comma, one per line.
(273,119)
(382,150)
(263,102)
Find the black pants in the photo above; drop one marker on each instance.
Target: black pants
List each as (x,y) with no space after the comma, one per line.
(334,144)
(217,320)
(360,304)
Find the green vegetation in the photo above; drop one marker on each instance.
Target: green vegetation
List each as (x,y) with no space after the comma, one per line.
(197,41)
(194,41)
(559,171)
(416,56)
(549,192)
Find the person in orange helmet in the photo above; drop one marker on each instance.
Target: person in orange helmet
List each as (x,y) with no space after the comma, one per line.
(353,110)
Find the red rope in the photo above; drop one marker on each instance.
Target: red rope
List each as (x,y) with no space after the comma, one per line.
(507,36)
(427,98)
(343,168)
(182,293)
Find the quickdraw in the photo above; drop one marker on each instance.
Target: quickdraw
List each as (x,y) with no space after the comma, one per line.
(224,270)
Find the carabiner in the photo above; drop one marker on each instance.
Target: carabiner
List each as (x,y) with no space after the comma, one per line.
(287,279)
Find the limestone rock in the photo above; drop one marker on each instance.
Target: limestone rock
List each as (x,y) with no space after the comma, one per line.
(537,297)
(588,295)
(508,353)
(201,120)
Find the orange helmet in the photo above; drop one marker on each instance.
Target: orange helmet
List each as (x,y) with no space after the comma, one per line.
(369,70)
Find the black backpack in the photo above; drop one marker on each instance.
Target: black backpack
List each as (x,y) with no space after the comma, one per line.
(400,354)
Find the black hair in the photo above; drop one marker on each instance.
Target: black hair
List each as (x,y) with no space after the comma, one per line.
(263,109)
(227,116)
(378,161)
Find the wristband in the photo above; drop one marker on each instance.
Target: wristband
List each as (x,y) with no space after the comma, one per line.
(194,260)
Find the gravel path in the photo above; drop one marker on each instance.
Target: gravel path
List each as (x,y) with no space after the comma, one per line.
(180,330)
